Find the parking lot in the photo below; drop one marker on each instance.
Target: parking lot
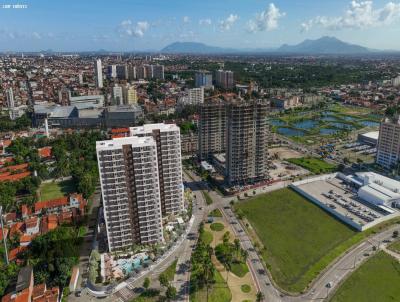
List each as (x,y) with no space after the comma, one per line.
(334,194)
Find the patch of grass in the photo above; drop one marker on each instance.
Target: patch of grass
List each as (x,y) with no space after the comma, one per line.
(239,269)
(207,197)
(217,227)
(376,280)
(170,271)
(151,295)
(54,190)
(215,213)
(300,239)
(219,292)
(206,237)
(395,246)
(245,288)
(314,165)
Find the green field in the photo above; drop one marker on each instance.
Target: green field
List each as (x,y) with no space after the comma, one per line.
(219,292)
(300,239)
(376,280)
(217,227)
(239,269)
(151,295)
(314,165)
(170,271)
(206,237)
(395,246)
(207,197)
(54,190)
(215,213)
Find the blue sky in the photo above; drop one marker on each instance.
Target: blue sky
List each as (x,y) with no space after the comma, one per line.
(123,25)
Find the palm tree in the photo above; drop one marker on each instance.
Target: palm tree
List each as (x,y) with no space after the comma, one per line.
(236,242)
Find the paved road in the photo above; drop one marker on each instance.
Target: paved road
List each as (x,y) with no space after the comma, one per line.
(182,275)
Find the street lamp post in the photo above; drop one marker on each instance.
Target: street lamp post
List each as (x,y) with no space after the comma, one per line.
(3,233)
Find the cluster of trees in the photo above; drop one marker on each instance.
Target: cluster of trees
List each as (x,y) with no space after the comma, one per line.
(187,127)
(94,265)
(26,187)
(8,274)
(21,123)
(203,270)
(230,253)
(75,155)
(53,255)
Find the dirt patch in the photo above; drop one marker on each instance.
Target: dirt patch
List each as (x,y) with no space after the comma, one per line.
(284,153)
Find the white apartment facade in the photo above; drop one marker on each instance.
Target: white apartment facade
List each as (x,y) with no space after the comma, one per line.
(167,138)
(98,73)
(388,149)
(129,179)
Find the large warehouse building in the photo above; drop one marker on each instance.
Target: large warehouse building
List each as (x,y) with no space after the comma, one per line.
(378,189)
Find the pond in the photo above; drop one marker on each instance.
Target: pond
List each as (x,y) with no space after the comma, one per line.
(290,132)
(350,118)
(329,119)
(369,123)
(328,131)
(276,123)
(342,125)
(305,124)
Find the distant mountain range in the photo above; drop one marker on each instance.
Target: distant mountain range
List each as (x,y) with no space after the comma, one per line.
(324,45)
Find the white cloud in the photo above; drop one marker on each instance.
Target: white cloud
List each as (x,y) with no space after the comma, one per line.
(266,20)
(227,24)
(186,19)
(205,21)
(36,35)
(359,15)
(128,28)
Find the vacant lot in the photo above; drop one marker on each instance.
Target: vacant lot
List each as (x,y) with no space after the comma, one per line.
(54,190)
(314,165)
(376,280)
(296,234)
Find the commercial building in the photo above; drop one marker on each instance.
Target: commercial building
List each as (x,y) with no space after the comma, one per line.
(117,95)
(194,96)
(203,79)
(10,98)
(86,101)
(361,200)
(247,131)
(396,81)
(167,138)
(98,73)
(224,79)
(129,95)
(111,71)
(370,138)
(122,72)
(378,189)
(388,149)
(122,116)
(211,129)
(72,116)
(129,179)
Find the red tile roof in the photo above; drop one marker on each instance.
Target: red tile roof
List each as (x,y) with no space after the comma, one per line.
(45,152)
(12,255)
(54,203)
